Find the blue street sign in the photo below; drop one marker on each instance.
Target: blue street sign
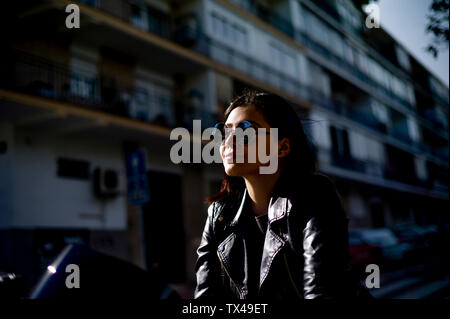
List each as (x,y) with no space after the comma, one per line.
(137,184)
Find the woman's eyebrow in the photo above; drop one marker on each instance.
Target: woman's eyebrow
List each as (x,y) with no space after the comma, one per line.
(256,123)
(251,121)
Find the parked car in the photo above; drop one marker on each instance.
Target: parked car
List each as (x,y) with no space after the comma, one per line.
(413,235)
(361,252)
(435,239)
(392,249)
(102,277)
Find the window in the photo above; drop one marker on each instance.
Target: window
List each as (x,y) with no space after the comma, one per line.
(162,105)
(141,96)
(375,151)
(245,4)
(413,128)
(339,140)
(399,87)
(282,60)
(349,53)
(375,70)
(319,80)
(218,25)
(411,96)
(82,86)
(362,62)
(92,3)
(336,43)
(380,111)
(153,102)
(239,36)
(139,16)
(349,14)
(438,88)
(358,144)
(83,78)
(73,168)
(140,110)
(402,58)
(317,29)
(231,33)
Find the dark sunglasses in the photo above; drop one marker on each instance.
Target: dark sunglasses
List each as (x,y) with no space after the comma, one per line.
(247,136)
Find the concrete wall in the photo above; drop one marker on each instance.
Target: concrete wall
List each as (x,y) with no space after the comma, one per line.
(42,199)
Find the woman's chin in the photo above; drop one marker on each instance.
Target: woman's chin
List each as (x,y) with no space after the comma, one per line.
(231,169)
(239,169)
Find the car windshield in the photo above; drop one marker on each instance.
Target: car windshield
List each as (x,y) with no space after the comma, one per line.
(382,237)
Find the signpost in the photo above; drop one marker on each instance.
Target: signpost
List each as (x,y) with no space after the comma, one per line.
(137,184)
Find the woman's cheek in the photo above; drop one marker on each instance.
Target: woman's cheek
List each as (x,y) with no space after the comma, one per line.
(221,150)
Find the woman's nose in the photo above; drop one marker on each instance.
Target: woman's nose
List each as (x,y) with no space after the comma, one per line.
(229,138)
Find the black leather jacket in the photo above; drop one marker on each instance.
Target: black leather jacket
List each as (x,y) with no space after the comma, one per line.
(305,251)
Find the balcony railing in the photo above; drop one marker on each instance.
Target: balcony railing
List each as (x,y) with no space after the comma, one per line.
(35,75)
(387,171)
(325,52)
(31,74)
(140,16)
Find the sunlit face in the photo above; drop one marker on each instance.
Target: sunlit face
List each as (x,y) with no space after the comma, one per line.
(229,150)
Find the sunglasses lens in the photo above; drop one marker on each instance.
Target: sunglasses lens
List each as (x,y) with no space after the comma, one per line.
(247,134)
(244,135)
(219,129)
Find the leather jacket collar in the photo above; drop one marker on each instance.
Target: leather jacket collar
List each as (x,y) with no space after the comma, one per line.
(233,247)
(279,206)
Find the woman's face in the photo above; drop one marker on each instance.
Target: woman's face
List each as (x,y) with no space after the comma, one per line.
(229,150)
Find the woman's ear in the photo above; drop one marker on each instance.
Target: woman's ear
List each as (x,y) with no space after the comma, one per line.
(284,147)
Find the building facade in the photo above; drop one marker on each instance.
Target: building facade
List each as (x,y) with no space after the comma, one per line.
(75,102)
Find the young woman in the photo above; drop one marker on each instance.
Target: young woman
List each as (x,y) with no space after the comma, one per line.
(282,235)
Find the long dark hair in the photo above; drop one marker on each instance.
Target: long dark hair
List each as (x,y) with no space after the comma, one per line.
(279,114)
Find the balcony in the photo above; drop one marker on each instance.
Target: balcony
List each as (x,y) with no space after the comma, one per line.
(266,14)
(141,16)
(390,171)
(38,76)
(431,115)
(401,135)
(275,20)
(382,173)
(351,69)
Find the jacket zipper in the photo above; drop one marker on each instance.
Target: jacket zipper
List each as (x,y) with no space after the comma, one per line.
(223,266)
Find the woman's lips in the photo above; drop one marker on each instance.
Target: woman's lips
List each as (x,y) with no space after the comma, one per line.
(229,157)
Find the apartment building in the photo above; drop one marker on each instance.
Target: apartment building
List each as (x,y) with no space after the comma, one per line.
(78,103)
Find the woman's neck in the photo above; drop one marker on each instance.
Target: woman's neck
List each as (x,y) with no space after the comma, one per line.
(260,189)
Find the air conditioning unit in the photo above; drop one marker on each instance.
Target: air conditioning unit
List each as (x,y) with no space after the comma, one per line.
(106,182)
